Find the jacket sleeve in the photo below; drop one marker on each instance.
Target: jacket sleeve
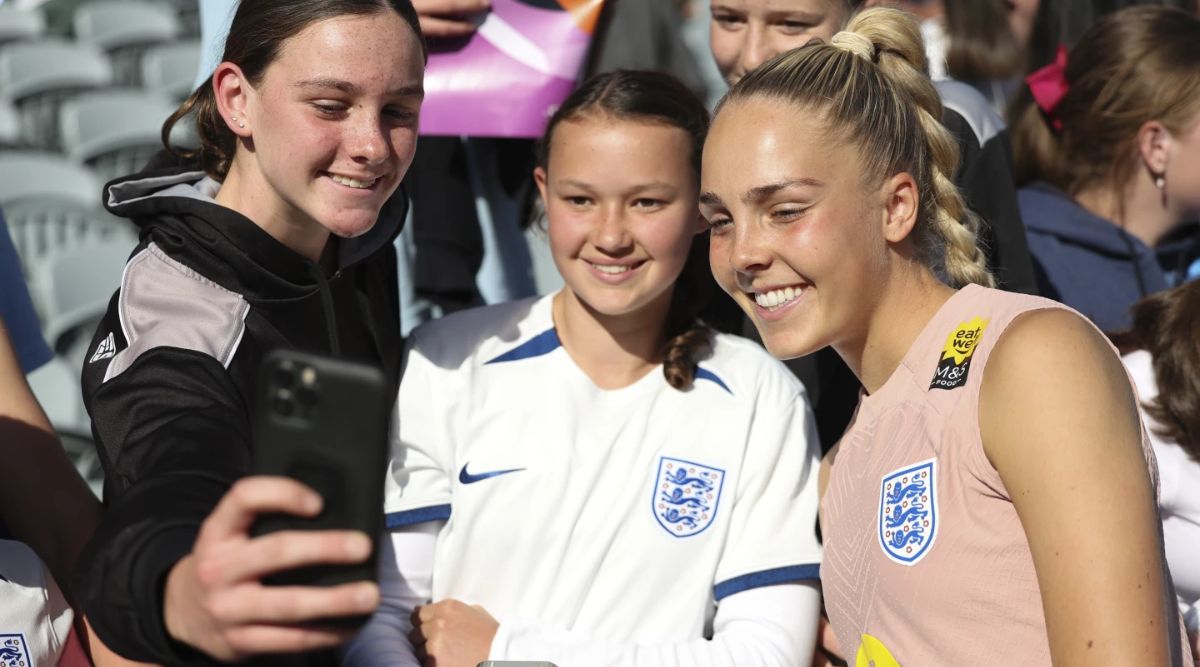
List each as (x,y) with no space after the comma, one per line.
(174,436)
(172,428)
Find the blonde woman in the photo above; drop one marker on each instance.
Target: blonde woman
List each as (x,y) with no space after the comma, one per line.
(993,501)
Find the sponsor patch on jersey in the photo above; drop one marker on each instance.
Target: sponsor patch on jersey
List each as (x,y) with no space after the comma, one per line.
(908,512)
(952,368)
(686,496)
(14,652)
(106,349)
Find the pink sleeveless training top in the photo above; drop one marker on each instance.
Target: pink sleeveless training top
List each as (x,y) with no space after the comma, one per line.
(925,559)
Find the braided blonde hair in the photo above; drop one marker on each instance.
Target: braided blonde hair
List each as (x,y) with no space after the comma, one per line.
(870,86)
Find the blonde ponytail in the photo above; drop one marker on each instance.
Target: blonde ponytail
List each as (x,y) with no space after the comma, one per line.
(871,79)
(900,54)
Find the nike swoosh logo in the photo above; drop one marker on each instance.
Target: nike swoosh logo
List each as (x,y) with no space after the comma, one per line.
(467,478)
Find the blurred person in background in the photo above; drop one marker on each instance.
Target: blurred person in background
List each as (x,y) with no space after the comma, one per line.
(1109,158)
(1163,357)
(986,45)
(269,235)
(1060,23)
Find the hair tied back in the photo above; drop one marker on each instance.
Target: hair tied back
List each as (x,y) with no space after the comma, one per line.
(1049,86)
(858,44)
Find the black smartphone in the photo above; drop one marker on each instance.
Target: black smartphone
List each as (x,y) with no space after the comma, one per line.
(324,422)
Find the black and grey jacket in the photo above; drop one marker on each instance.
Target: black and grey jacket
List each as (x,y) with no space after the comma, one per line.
(169,378)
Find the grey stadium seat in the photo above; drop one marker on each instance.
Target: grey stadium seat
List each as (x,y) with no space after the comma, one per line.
(170,69)
(113,132)
(124,29)
(41,175)
(10,126)
(73,286)
(20,24)
(35,77)
(44,227)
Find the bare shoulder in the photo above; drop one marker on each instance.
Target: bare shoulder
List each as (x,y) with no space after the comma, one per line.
(1059,424)
(1053,370)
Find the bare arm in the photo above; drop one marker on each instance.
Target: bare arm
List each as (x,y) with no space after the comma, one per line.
(1059,423)
(49,507)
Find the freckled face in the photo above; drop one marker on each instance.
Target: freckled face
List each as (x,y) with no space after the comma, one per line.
(797,238)
(746,33)
(621,207)
(334,122)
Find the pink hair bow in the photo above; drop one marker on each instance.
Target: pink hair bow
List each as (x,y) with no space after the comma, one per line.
(1049,86)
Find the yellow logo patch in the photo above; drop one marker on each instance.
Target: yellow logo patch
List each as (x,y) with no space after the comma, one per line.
(961,342)
(955,359)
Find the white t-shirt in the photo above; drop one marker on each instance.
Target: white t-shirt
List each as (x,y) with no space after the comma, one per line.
(626,513)
(1179,488)
(35,618)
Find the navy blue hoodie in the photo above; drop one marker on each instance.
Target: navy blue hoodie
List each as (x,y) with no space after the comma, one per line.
(1085,261)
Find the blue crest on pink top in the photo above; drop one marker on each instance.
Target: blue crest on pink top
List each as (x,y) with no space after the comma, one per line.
(908,512)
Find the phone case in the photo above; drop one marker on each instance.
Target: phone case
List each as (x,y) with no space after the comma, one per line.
(324,422)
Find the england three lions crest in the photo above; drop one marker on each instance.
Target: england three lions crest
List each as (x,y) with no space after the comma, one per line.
(686,496)
(908,512)
(14,651)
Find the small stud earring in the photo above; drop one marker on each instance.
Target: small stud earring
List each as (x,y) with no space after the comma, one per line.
(239,123)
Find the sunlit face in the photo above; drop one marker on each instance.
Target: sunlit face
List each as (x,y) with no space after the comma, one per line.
(334,123)
(797,237)
(746,33)
(620,201)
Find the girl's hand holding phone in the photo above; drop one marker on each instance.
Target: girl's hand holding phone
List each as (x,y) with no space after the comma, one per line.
(216,602)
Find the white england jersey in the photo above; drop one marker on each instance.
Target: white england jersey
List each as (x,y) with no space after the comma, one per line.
(622,513)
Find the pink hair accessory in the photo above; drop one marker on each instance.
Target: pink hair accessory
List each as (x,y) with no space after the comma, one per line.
(1049,86)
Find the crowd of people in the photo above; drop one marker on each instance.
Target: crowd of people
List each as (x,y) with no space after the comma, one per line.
(983,448)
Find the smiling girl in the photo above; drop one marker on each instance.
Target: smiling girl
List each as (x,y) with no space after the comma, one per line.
(271,237)
(597,470)
(993,499)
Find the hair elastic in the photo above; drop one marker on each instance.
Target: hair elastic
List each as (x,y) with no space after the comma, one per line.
(1049,86)
(859,45)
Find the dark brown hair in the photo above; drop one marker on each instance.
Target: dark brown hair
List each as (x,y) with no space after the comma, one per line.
(258,31)
(654,97)
(1167,325)
(982,46)
(1134,65)
(869,86)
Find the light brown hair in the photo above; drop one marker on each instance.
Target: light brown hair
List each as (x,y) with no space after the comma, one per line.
(1132,66)
(869,85)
